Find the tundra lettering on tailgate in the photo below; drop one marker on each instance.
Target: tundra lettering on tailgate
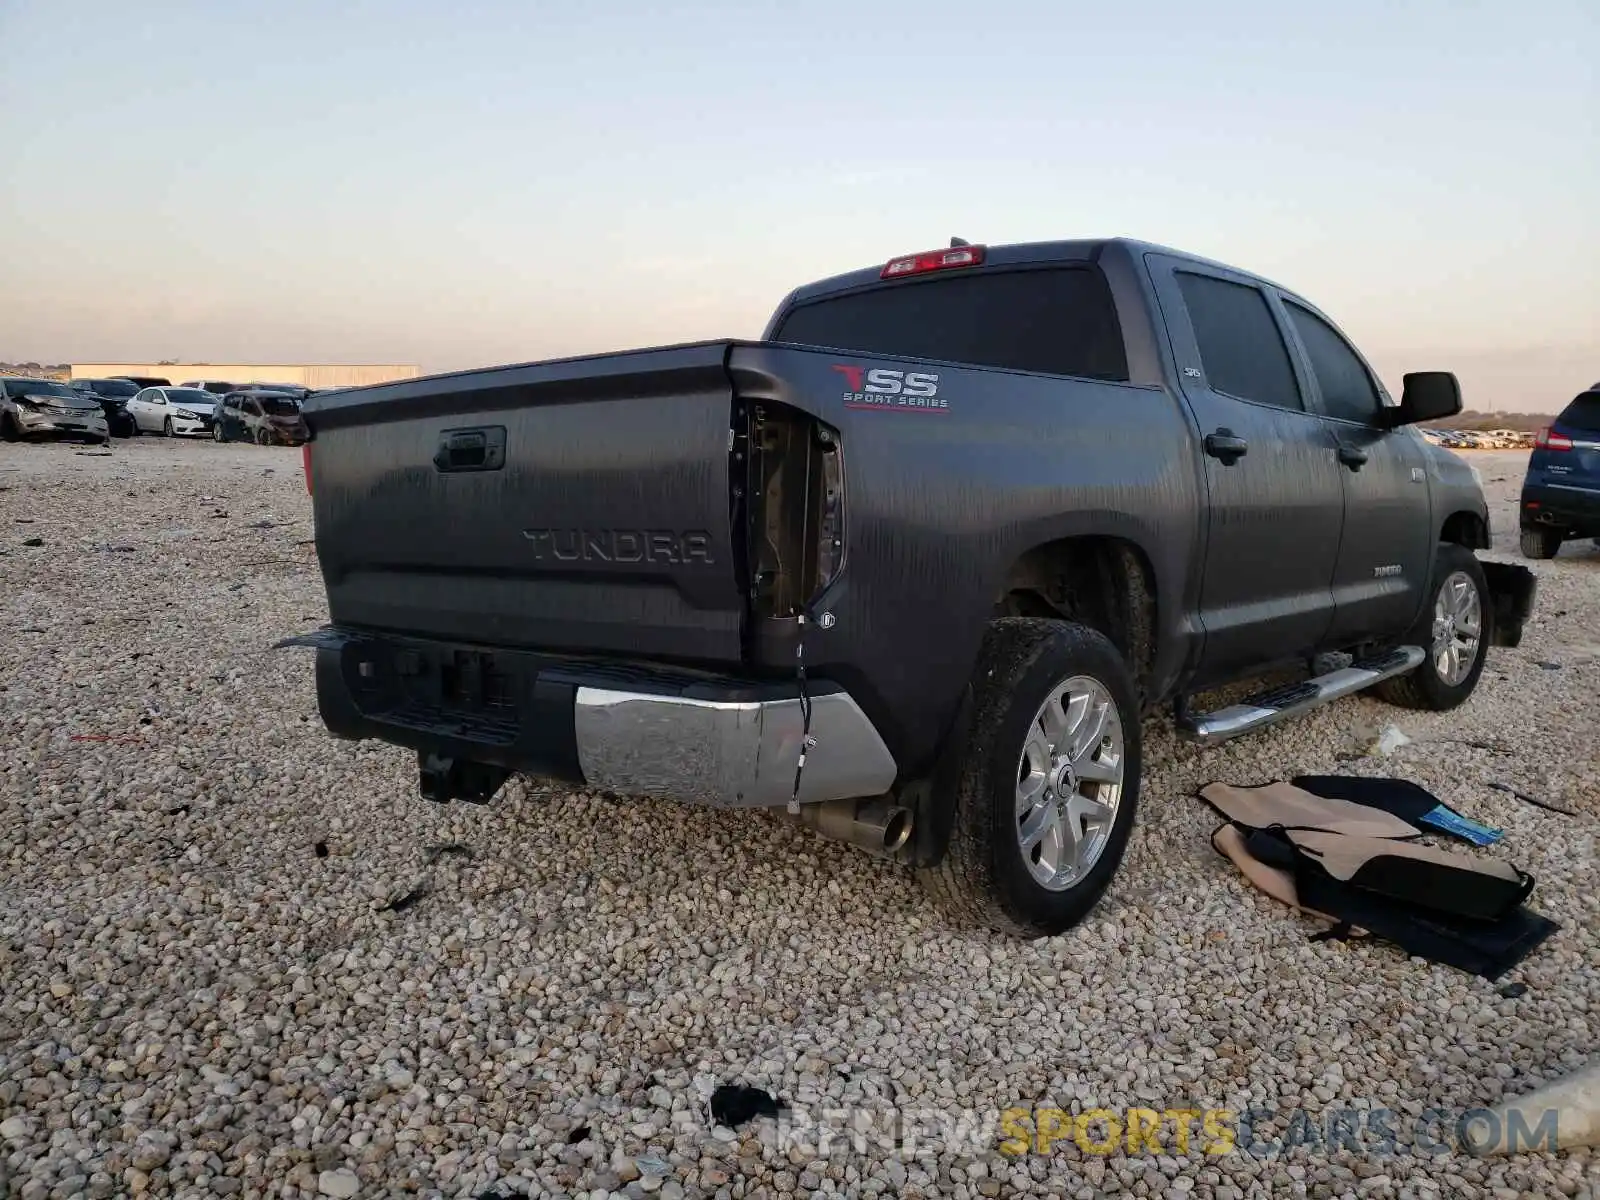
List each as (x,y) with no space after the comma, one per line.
(620,545)
(892,389)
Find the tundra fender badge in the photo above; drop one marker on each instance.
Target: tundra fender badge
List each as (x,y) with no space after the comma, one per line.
(890,389)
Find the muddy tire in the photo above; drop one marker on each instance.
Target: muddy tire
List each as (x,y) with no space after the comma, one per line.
(1049,780)
(1453,629)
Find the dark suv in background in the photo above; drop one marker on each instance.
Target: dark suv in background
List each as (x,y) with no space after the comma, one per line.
(1561,492)
(113,395)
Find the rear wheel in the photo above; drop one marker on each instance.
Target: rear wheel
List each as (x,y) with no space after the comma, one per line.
(1049,782)
(1453,629)
(1540,543)
(216,432)
(263,438)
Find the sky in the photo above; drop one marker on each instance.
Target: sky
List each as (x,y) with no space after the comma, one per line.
(486,181)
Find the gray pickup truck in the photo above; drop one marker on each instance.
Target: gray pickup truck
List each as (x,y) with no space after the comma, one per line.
(914,567)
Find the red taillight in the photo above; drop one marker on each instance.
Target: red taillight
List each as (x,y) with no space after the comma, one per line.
(1549,439)
(932,260)
(305,462)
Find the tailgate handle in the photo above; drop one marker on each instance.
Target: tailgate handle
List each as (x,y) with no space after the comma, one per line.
(482,449)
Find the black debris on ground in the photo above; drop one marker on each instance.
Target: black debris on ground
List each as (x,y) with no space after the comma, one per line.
(733,1104)
(1533,800)
(405,899)
(320,849)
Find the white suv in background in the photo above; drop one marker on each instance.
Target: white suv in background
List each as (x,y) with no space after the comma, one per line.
(173,411)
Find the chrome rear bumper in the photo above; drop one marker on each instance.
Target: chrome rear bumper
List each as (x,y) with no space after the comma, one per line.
(635,729)
(728,754)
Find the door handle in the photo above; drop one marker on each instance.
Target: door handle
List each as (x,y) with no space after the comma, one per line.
(1226,446)
(1353,457)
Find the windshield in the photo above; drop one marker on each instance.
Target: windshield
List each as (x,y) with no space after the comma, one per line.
(189,396)
(1583,413)
(1059,320)
(116,389)
(39,387)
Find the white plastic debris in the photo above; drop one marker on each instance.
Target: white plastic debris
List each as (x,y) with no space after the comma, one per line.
(1390,740)
(1562,1115)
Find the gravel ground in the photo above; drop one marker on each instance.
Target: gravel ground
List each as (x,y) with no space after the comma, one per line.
(203,992)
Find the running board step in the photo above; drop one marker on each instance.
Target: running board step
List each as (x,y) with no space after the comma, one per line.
(1291,700)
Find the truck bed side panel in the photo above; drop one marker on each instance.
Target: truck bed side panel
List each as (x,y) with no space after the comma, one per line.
(941,502)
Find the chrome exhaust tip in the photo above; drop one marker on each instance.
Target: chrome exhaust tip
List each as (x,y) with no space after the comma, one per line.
(877,826)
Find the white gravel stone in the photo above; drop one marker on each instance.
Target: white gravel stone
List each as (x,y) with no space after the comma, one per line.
(338,1183)
(191,994)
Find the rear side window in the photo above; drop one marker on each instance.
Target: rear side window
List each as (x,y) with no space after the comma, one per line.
(1583,413)
(1241,348)
(1347,389)
(1057,320)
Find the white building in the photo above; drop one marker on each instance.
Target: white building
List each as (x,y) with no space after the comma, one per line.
(310,375)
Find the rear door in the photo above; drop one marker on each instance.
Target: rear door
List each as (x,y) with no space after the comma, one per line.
(1275,502)
(1387,551)
(142,406)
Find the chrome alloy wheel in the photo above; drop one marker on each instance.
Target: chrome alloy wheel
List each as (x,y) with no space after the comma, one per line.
(1069,779)
(1457,628)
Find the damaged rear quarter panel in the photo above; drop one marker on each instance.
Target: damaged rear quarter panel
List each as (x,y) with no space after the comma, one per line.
(939,502)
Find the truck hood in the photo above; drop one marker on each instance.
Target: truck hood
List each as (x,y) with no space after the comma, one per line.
(1454,482)
(1447,467)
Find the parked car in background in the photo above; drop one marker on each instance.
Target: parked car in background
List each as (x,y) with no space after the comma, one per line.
(48,408)
(145,381)
(173,411)
(217,387)
(113,396)
(265,418)
(1561,490)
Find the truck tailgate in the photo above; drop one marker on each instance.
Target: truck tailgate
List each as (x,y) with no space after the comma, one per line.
(580,505)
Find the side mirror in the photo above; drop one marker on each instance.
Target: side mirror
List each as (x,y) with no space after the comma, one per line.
(1426,396)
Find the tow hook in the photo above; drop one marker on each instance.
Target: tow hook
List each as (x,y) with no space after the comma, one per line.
(443,779)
